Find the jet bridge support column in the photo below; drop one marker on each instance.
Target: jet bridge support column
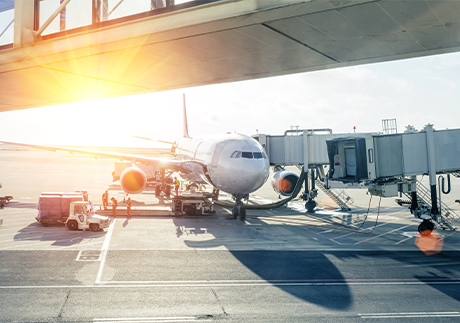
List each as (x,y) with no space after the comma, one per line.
(431,168)
(305,162)
(308,195)
(413,195)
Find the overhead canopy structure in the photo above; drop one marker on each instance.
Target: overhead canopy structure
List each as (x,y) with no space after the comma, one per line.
(207,42)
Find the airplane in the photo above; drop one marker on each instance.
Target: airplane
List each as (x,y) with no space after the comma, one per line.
(233,163)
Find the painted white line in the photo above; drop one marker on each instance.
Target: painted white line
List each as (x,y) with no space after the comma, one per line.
(151,319)
(420,313)
(406,316)
(82,243)
(211,284)
(409,315)
(384,234)
(155,320)
(78,256)
(434,264)
(104,249)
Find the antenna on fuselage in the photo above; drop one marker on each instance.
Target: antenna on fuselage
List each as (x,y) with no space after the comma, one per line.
(185,121)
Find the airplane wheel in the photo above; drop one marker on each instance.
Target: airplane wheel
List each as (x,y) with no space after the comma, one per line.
(242,214)
(72,225)
(234,213)
(425,228)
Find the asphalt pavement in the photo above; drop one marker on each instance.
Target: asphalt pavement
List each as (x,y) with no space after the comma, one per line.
(280,265)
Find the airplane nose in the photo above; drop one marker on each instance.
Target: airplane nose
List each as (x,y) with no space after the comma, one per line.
(255,173)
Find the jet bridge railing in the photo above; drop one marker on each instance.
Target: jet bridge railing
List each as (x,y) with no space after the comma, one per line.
(447,215)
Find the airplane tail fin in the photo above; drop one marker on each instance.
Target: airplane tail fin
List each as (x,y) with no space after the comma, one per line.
(185,121)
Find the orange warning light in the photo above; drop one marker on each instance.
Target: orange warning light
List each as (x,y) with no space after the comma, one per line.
(430,244)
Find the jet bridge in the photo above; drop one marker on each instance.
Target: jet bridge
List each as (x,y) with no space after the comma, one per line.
(306,149)
(389,164)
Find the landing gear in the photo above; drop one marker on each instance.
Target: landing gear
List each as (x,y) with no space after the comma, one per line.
(239,211)
(425,228)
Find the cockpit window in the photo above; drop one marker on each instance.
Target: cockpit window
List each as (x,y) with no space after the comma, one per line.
(248,154)
(236,154)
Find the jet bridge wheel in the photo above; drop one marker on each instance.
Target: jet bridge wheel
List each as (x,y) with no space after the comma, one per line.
(425,228)
(310,205)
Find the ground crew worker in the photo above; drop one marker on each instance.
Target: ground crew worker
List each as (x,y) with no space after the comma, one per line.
(176,185)
(105,200)
(128,208)
(114,207)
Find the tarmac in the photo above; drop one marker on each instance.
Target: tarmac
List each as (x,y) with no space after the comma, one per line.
(371,223)
(280,264)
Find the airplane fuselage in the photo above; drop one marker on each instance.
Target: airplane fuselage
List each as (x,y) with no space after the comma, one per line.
(234,163)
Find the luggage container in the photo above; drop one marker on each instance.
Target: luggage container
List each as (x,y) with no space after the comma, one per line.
(53,207)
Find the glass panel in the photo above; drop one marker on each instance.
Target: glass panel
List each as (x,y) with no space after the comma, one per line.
(233,155)
(47,8)
(257,155)
(77,13)
(246,154)
(6,22)
(122,8)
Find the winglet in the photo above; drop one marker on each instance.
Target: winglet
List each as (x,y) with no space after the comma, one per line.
(185,121)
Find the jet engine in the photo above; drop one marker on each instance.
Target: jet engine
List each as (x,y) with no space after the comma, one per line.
(284,182)
(133,180)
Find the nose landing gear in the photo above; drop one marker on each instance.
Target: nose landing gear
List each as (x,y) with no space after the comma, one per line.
(239,211)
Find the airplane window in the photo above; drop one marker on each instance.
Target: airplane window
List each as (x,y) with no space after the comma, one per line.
(236,154)
(246,154)
(257,155)
(265,155)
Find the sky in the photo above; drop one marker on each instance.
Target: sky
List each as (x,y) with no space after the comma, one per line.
(414,91)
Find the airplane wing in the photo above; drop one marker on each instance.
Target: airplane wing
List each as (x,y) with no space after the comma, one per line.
(175,165)
(162,141)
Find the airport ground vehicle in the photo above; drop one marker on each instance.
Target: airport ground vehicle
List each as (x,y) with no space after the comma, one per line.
(54,207)
(192,203)
(4,200)
(82,216)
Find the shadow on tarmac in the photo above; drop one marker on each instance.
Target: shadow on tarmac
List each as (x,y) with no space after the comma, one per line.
(56,232)
(21,205)
(340,267)
(281,267)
